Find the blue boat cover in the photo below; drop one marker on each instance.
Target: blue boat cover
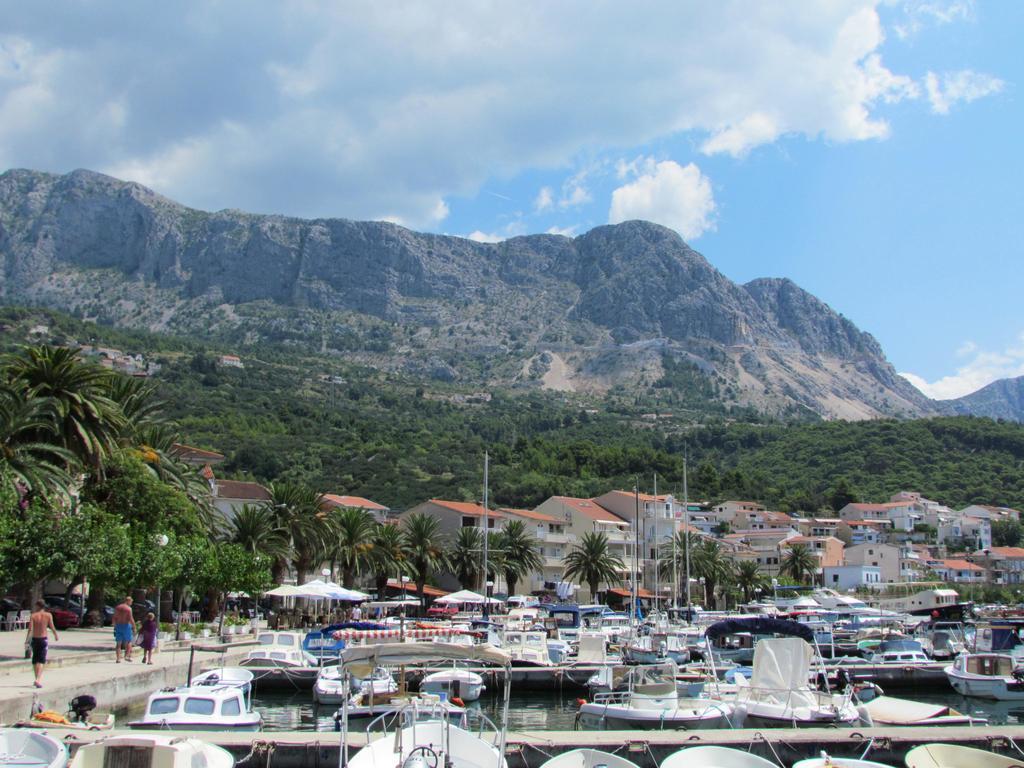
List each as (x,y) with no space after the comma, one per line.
(760,626)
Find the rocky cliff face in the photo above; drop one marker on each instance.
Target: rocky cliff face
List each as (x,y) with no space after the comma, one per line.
(1003,399)
(606,307)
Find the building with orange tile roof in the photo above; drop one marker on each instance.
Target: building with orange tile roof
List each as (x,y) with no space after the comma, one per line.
(338,501)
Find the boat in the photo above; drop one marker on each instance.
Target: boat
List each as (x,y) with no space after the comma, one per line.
(827,761)
(941,604)
(21,748)
(456,683)
(206,707)
(888,710)
(778,693)
(330,689)
(651,701)
(235,677)
(588,758)
(423,734)
(997,676)
(163,751)
(954,756)
(279,662)
(79,717)
(715,757)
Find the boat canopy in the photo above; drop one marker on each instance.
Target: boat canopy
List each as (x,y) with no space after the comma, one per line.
(363,659)
(760,626)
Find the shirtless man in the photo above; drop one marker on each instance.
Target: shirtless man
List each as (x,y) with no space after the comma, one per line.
(40,621)
(124,629)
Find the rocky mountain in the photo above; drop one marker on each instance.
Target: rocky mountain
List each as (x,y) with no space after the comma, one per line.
(597,313)
(1003,399)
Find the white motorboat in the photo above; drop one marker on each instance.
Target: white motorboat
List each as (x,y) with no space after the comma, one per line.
(651,701)
(778,693)
(997,676)
(30,749)
(151,750)
(827,761)
(330,689)
(456,683)
(423,734)
(278,666)
(715,757)
(953,756)
(588,758)
(199,708)
(888,710)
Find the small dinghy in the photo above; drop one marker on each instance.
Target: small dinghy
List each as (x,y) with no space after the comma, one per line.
(28,749)
(715,757)
(588,758)
(456,683)
(162,751)
(953,756)
(888,710)
(827,761)
(80,717)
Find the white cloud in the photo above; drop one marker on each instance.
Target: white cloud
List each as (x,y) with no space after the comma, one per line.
(325,109)
(980,370)
(667,193)
(545,199)
(916,14)
(484,237)
(564,231)
(953,87)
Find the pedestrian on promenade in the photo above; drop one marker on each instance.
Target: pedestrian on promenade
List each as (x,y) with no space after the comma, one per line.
(40,621)
(148,635)
(124,629)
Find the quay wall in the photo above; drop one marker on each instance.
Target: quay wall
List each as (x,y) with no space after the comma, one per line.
(529,749)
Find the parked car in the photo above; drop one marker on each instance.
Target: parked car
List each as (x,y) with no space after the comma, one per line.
(73,605)
(63,618)
(442,611)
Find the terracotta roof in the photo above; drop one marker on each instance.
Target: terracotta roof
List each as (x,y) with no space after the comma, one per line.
(621,592)
(804,539)
(756,533)
(466,508)
(240,489)
(591,509)
(530,514)
(188,453)
(643,496)
(879,507)
(1004,551)
(871,523)
(358,502)
(960,565)
(428,590)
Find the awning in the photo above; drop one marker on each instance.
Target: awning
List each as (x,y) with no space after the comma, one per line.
(428,590)
(760,626)
(467,597)
(361,660)
(646,594)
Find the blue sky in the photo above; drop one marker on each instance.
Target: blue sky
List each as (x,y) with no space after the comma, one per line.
(868,150)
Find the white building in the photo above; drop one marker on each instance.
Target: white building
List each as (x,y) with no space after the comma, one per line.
(842,577)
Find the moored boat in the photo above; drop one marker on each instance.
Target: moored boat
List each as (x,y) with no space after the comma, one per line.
(715,757)
(158,751)
(827,761)
(29,749)
(199,708)
(888,710)
(955,756)
(588,758)
(455,683)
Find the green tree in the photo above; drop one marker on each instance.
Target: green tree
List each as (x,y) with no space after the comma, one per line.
(593,562)
(351,542)
(387,558)
(299,510)
(842,493)
(708,562)
(258,531)
(799,563)
(424,549)
(1006,533)
(748,578)
(465,557)
(518,550)
(27,447)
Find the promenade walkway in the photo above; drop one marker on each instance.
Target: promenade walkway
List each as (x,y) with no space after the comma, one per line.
(83,661)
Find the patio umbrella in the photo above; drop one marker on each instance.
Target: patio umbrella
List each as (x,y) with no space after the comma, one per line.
(467,597)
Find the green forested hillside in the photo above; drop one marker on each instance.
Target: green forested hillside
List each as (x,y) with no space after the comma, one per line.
(290,414)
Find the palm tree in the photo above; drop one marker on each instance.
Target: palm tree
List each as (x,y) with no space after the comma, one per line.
(672,557)
(25,423)
(387,558)
(424,548)
(708,561)
(464,558)
(749,578)
(592,562)
(88,421)
(518,550)
(257,530)
(800,563)
(352,541)
(299,510)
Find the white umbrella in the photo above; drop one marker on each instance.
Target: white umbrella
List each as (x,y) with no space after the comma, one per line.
(285,590)
(468,597)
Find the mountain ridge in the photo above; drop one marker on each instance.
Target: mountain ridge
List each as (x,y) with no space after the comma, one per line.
(604,310)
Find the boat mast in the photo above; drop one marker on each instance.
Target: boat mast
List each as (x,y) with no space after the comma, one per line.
(487,606)
(686,540)
(636,543)
(657,559)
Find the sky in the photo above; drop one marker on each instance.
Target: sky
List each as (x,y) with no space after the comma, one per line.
(869,150)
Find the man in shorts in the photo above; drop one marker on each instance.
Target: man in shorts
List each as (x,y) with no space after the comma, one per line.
(40,621)
(124,629)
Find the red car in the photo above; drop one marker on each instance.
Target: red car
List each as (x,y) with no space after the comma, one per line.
(442,611)
(63,618)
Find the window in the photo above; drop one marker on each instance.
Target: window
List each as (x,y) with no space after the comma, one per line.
(195,706)
(231,707)
(164,706)
(490,522)
(468,522)
(286,639)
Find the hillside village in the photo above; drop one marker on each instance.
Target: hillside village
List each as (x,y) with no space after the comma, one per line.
(870,546)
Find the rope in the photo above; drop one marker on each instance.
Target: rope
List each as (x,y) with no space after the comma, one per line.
(762,737)
(258,749)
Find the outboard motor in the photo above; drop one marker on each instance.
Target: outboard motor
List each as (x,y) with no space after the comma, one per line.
(81,706)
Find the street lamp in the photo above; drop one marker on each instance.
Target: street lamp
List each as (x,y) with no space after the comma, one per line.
(161,541)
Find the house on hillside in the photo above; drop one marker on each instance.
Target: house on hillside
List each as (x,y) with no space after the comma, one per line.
(1004,565)
(958,571)
(843,577)
(897,563)
(336,501)
(553,541)
(230,495)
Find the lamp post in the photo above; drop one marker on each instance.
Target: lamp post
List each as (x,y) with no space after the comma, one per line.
(487,598)
(161,541)
(775,590)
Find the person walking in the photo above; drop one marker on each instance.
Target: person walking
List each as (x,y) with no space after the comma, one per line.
(40,621)
(124,629)
(148,636)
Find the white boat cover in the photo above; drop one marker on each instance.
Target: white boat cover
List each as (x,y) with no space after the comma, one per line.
(591,649)
(361,660)
(588,758)
(889,709)
(955,756)
(715,757)
(782,666)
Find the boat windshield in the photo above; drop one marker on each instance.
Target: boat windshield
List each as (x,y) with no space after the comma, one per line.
(990,666)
